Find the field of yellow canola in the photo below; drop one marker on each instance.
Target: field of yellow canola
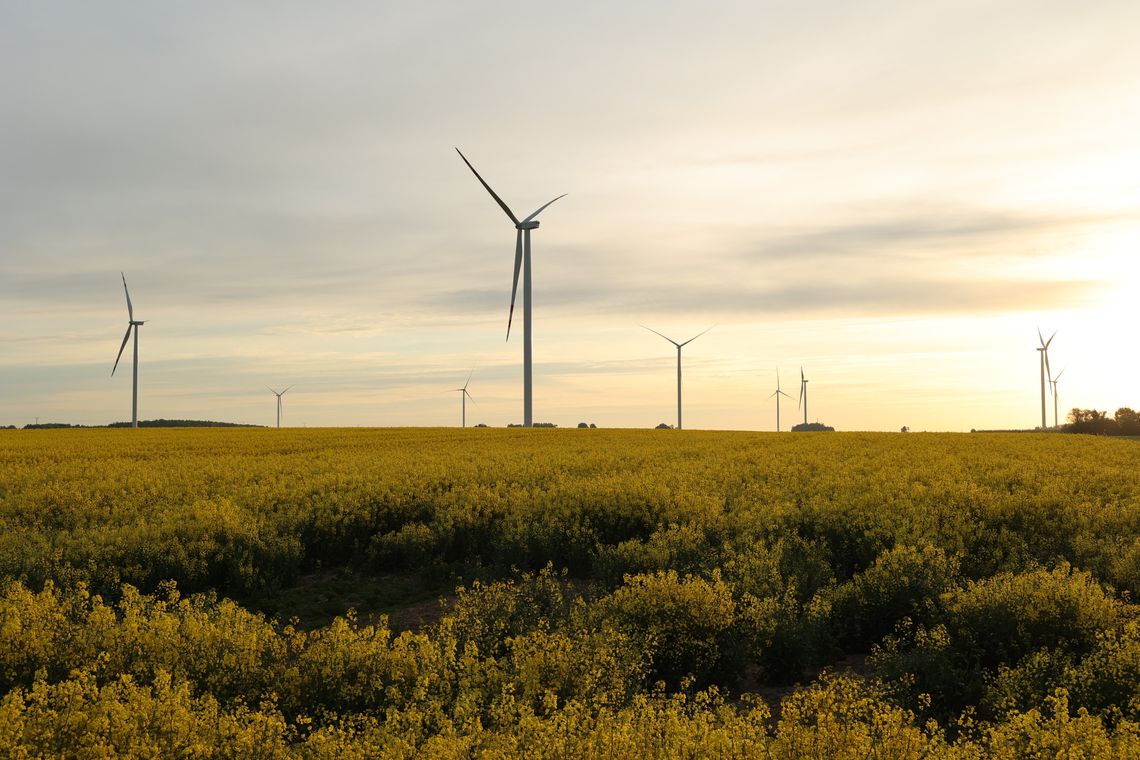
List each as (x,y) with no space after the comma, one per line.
(624,593)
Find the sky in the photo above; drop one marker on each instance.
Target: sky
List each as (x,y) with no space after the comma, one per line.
(893,196)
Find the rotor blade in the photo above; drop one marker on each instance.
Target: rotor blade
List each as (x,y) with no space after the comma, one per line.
(130,309)
(801,395)
(536,213)
(469,374)
(1048,372)
(286,390)
(702,332)
(482,181)
(1054,335)
(801,374)
(469,396)
(120,356)
(1058,377)
(515,284)
(1040,337)
(271,390)
(666,337)
(783,394)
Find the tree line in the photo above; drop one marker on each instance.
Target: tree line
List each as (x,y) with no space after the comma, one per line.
(1090,421)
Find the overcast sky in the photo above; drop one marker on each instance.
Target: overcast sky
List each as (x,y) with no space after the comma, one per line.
(894,196)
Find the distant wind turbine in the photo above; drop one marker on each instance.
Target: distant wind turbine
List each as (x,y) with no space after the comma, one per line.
(279,395)
(522,261)
(803,393)
(132,324)
(1053,382)
(679,347)
(464,394)
(1045,372)
(777,393)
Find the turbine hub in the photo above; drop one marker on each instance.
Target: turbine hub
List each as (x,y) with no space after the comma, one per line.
(533,225)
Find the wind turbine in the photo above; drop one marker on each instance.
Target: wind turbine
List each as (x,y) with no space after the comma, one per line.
(464,395)
(1054,384)
(803,393)
(132,324)
(1044,351)
(522,260)
(279,395)
(679,347)
(777,394)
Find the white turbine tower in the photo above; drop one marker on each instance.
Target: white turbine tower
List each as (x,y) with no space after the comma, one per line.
(522,261)
(803,394)
(463,396)
(679,347)
(777,393)
(279,395)
(1053,382)
(1045,371)
(132,324)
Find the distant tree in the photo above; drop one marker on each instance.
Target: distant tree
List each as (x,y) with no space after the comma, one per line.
(812,427)
(583,425)
(1127,421)
(481,424)
(664,426)
(592,425)
(1090,422)
(904,429)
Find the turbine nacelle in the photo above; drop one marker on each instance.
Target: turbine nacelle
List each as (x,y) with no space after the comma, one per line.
(527,225)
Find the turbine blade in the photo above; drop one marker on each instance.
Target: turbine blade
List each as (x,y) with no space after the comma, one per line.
(286,390)
(1040,337)
(666,337)
(271,390)
(702,332)
(468,380)
(130,309)
(783,394)
(1048,372)
(515,284)
(1058,377)
(540,208)
(801,395)
(470,396)
(1054,335)
(120,356)
(483,182)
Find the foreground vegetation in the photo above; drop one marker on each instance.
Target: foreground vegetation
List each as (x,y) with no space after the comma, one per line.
(638,593)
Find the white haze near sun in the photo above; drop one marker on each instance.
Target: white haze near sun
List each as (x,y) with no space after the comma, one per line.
(892,195)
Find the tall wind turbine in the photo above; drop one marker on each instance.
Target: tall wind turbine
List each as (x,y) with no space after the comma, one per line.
(1054,384)
(279,395)
(679,347)
(803,393)
(522,260)
(777,394)
(132,324)
(463,396)
(1044,351)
